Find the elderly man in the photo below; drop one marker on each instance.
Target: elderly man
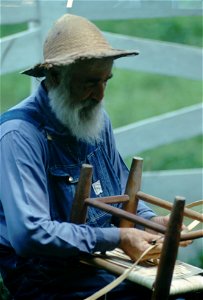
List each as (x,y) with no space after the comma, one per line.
(44,142)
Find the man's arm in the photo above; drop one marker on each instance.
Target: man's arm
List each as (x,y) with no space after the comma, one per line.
(25,200)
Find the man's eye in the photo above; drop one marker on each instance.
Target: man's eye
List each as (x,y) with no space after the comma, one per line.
(90,85)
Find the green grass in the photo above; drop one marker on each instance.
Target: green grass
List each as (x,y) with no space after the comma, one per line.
(178,155)
(184,30)
(134,96)
(14,88)
(9,29)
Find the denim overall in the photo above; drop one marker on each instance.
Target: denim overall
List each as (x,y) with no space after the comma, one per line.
(38,278)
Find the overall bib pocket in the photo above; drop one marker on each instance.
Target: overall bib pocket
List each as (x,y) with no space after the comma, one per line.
(63,181)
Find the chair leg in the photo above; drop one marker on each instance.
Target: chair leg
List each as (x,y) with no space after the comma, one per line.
(132,187)
(169,252)
(79,208)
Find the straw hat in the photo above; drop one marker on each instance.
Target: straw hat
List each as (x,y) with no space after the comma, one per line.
(73,38)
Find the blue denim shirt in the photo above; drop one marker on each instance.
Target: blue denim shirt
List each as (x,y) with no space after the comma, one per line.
(36,194)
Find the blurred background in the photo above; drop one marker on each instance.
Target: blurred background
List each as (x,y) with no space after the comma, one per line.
(146,94)
(135,95)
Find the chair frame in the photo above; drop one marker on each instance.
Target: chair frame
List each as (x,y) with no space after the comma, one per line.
(129,218)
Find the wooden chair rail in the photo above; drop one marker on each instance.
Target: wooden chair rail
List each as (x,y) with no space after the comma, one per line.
(101,203)
(167,205)
(128,217)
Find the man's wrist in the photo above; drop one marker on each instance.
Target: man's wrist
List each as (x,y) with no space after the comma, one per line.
(107,239)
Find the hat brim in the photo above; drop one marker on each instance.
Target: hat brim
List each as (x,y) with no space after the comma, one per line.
(39,70)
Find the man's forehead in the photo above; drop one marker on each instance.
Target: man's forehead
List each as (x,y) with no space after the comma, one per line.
(93,65)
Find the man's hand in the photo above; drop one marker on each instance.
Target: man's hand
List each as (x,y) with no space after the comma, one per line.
(134,242)
(163,220)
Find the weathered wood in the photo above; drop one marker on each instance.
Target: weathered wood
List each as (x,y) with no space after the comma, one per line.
(148,134)
(159,57)
(79,209)
(113,199)
(132,187)
(167,183)
(50,11)
(167,205)
(94,202)
(192,235)
(111,10)
(123,214)
(16,11)
(169,252)
(20,51)
(155,57)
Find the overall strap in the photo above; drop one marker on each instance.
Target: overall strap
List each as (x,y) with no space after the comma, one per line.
(28,115)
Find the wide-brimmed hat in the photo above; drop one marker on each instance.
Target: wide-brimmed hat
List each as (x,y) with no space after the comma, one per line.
(73,38)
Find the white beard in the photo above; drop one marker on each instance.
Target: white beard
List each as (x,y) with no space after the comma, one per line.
(84,120)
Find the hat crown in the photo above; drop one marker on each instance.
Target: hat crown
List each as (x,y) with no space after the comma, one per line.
(71,36)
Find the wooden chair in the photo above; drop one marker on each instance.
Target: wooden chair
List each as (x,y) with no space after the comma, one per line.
(128,218)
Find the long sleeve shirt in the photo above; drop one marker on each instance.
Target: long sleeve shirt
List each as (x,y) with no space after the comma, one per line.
(40,168)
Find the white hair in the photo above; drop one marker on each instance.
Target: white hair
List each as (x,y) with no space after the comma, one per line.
(85,120)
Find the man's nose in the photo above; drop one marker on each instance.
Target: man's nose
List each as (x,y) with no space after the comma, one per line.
(98,92)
